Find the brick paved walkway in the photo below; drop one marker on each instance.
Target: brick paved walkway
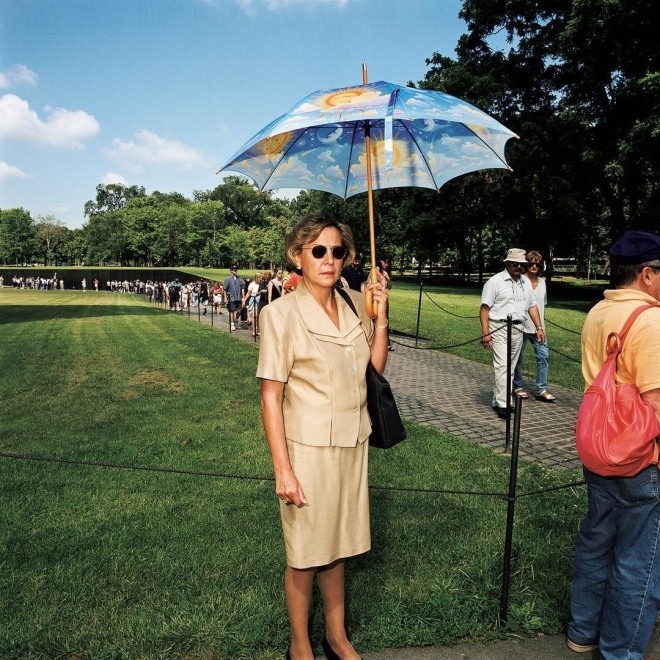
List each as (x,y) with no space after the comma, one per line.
(454,395)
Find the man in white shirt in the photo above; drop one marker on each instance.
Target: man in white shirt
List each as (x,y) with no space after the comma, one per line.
(504,294)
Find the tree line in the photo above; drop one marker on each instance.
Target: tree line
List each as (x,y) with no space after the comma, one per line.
(578,81)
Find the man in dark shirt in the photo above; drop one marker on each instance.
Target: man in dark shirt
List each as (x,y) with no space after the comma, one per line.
(354,274)
(233,287)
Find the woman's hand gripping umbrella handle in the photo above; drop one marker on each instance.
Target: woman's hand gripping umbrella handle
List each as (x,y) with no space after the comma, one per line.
(369,302)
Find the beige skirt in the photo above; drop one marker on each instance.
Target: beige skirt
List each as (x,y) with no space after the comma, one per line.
(335,522)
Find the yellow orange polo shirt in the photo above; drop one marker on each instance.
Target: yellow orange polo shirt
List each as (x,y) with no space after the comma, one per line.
(639,362)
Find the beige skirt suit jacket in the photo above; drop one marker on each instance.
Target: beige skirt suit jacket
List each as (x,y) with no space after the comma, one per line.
(325,421)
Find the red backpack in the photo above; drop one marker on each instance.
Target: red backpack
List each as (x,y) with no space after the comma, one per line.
(617,431)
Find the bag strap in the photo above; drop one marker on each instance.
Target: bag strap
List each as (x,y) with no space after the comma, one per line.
(633,317)
(617,346)
(347,300)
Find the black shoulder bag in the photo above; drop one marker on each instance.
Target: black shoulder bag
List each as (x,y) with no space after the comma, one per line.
(386,426)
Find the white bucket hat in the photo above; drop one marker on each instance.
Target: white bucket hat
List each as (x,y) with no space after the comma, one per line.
(516,255)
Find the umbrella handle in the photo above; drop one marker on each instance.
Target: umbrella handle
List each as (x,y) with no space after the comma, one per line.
(369,302)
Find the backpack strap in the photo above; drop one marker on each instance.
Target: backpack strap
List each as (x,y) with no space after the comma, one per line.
(631,319)
(614,343)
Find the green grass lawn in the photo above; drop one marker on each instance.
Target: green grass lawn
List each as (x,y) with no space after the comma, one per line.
(99,562)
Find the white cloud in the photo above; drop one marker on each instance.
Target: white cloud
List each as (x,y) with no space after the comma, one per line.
(10,172)
(63,128)
(17,75)
(326,156)
(113,178)
(151,148)
(252,7)
(275,5)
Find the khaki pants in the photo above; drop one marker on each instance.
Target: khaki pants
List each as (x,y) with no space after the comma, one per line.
(498,333)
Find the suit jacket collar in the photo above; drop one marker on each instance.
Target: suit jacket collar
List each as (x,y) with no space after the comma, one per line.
(318,322)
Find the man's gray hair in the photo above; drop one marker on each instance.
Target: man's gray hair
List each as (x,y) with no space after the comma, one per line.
(625,274)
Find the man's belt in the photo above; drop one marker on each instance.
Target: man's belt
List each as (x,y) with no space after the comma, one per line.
(504,321)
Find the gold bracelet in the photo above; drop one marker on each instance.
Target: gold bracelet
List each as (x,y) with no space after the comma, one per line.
(382,327)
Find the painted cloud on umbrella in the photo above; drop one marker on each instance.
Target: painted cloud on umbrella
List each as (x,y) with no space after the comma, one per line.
(419,138)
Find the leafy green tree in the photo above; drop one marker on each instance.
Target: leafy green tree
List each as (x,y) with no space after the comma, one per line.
(74,249)
(205,226)
(106,235)
(270,251)
(140,219)
(112,197)
(243,204)
(579,84)
(51,236)
(17,236)
(236,247)
(106,238)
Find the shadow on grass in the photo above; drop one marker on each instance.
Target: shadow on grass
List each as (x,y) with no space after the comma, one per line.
(27,314)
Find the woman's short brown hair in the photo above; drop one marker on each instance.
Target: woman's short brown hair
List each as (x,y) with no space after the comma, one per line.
(534,254)
(308,230)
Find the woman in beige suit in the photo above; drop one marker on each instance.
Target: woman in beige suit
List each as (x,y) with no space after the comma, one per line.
(314,353)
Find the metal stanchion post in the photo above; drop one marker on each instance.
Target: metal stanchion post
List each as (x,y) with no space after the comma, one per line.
(419,312)
(511,503)
(509,329)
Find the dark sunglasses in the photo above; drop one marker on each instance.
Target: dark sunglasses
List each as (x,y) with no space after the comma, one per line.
(539,264)
(319,251)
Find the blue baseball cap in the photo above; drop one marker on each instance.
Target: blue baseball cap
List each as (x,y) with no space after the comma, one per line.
(636,247)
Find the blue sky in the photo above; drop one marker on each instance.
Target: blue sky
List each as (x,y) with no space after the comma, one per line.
(160,93)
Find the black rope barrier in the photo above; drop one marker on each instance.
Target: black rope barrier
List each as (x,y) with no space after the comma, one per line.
(575,332)
(567,357)
(553,488)
(125,466)
(445,348)
(224,475)
(459,316)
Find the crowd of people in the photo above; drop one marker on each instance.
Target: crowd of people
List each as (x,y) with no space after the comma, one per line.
(35,282)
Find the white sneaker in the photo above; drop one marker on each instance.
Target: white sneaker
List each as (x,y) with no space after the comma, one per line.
(232,327)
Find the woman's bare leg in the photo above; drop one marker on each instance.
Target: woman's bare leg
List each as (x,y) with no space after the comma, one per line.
(331,585)
(298,591)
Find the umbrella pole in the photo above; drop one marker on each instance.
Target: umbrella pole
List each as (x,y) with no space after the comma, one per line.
(370,303)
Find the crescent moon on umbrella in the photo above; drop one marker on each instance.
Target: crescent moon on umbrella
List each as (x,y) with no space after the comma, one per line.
(330,137)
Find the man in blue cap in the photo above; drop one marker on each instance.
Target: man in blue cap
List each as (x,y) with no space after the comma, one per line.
(615,596)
